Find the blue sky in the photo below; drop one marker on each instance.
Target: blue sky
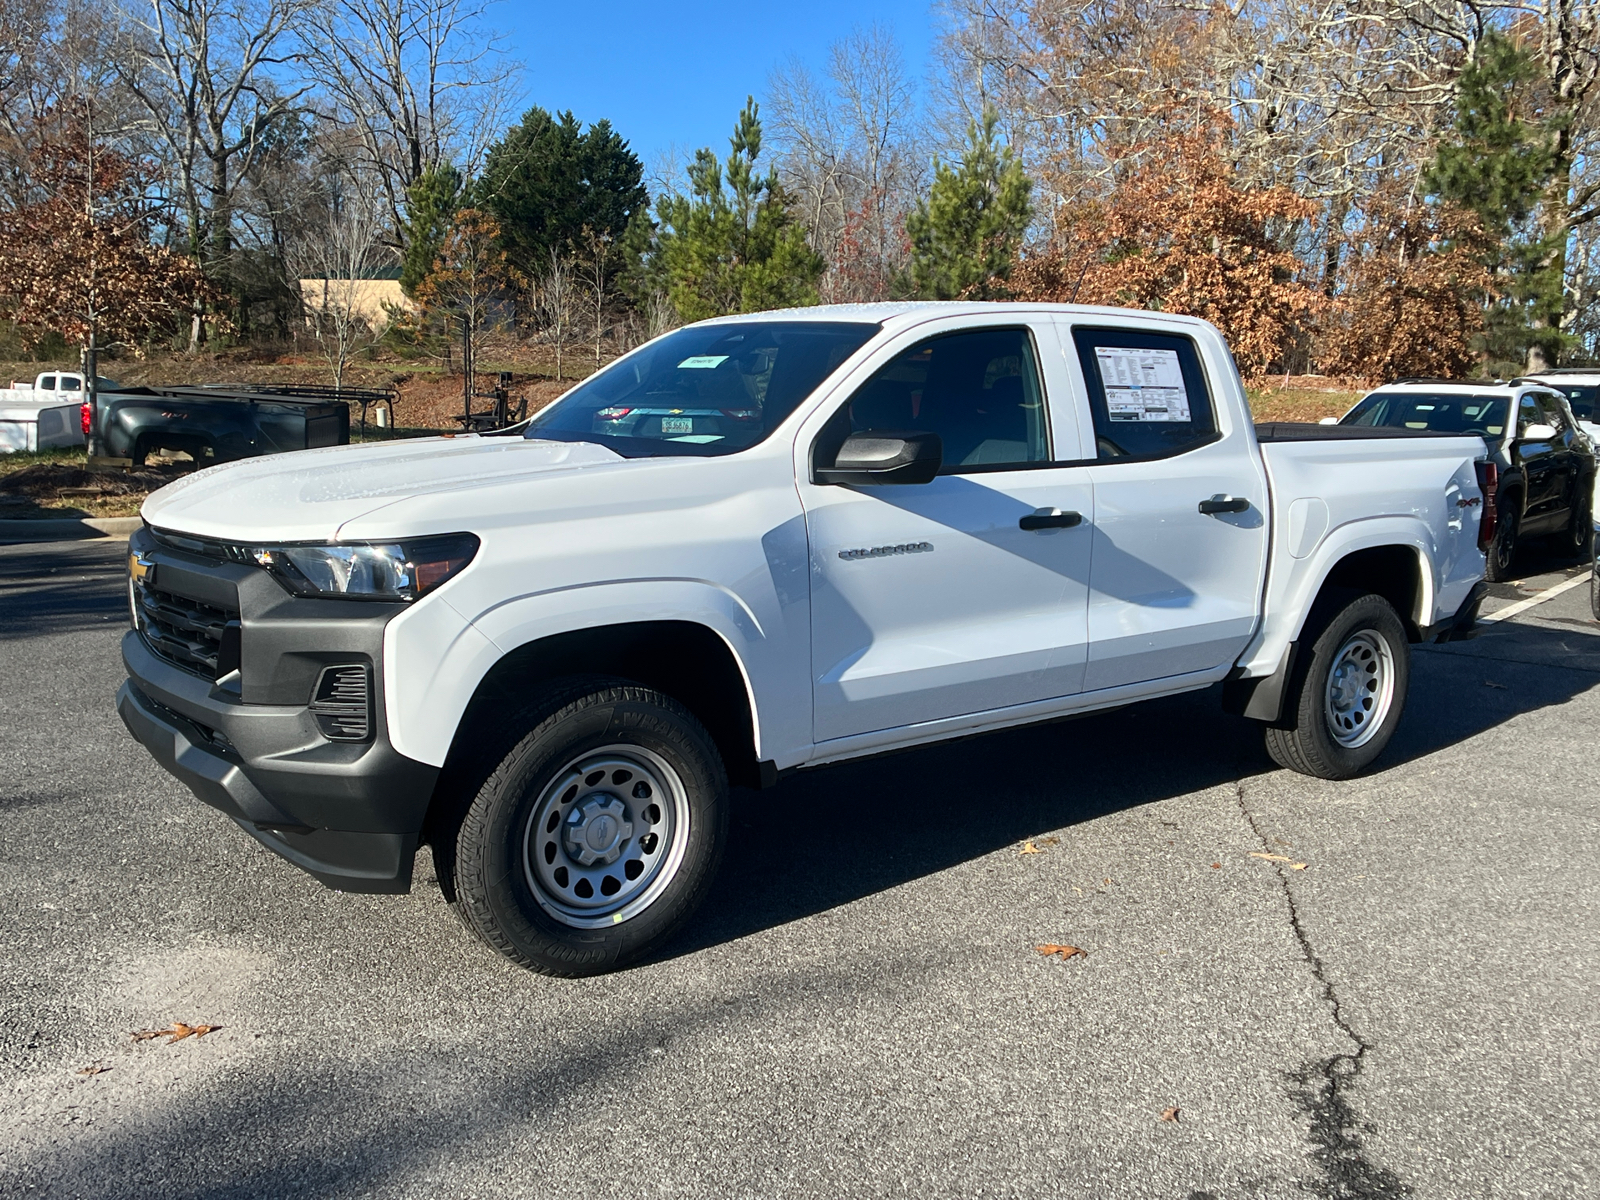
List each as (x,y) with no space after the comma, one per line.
(678,74)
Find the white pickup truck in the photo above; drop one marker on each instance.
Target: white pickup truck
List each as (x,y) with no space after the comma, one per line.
(46,414)
(757,545)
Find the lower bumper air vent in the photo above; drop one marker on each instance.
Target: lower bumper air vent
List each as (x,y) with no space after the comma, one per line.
(343,703)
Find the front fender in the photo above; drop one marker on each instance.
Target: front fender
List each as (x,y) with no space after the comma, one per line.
(435,658)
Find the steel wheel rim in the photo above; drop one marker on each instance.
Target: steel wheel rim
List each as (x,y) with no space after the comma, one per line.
(606,836)
(1359,690)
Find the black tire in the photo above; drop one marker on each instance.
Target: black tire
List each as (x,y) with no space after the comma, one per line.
(595,751)
(1580,531)
(1501,557)
(1334,732)
(1594,590)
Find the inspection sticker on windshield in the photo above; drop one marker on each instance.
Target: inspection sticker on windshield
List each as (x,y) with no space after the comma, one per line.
(1143,385)
(702,362)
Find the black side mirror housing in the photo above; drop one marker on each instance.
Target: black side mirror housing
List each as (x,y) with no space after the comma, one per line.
(884,456)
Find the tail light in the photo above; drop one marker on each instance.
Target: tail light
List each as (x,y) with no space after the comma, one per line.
(742,414)
(615,413)
(85,417)
(1488,484)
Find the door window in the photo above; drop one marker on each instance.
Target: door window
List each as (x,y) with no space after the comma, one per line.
(1147,392)
(1527,412)
(47,383)
(1551,407)
(978,390)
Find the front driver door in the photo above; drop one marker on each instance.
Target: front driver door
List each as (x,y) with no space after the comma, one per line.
(931,601)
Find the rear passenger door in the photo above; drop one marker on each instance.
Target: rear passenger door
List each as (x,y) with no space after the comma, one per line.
(1543,468)
(1180,535)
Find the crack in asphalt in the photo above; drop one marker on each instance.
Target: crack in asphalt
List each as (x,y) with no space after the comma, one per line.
(1323,1088)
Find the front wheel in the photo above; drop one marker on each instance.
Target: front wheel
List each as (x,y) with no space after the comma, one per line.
(1351,693)
(597,835)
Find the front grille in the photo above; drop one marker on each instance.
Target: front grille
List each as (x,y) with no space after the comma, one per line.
(343,704)
(188,633)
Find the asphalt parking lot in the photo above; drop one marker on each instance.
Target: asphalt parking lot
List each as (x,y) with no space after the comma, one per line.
(860,1009)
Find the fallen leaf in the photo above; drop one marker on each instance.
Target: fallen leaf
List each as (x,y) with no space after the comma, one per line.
(175,1032)
(1029,848)
(1297,866)
(94,1069)
(1061,952)
(1108,883)
(1050,841)
(1170,1114)
(1216,866)
(1269,857)
(1493,684)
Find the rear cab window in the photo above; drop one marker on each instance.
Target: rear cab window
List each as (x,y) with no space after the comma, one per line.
(1148,393)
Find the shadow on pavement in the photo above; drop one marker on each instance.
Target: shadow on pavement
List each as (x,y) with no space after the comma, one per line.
(62,587)
(827,837)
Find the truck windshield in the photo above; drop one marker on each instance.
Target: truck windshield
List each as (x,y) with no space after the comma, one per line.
(1440,412)
(705,390)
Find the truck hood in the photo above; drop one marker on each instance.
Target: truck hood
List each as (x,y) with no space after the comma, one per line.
(308,495)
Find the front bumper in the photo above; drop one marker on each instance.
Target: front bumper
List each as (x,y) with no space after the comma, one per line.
(350,813)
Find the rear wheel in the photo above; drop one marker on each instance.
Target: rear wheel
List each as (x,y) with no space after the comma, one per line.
(1501,555)
(597,835)
(1348,698)
(1580,533)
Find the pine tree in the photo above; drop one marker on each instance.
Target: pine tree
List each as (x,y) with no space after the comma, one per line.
(548,180)
(965,235)
(1499,165)
(731,245)
(431,204)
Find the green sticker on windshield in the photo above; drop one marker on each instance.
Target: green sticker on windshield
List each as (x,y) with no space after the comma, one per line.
(702,362)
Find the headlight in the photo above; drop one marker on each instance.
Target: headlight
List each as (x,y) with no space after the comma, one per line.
(368,570)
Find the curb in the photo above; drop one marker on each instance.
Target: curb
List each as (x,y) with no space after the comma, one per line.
(68,529)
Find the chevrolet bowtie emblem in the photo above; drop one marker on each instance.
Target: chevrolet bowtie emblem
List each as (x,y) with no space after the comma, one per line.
(141,568)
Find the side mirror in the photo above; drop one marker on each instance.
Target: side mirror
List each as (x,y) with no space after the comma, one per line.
(884,456)
(1328,421)
(1539,433)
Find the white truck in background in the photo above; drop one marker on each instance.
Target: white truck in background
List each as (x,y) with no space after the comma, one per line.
(46,414)
(758,545)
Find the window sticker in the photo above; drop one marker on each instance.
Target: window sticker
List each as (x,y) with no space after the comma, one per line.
(702,362)
(1143,385)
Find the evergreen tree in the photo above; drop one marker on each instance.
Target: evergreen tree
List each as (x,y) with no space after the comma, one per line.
(966,233)
(548,180)
(1499,165)
(431,204)
(731,245)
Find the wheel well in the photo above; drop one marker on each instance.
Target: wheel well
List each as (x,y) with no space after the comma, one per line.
(682,659)
(1393,572)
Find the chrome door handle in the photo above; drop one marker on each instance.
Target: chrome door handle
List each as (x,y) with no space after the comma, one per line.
(1050,518)
(1224,504)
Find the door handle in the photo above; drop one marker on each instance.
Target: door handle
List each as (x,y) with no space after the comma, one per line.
(1050,518)
(1222,504)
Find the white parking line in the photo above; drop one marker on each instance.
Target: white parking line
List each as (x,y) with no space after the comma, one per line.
(1522,606)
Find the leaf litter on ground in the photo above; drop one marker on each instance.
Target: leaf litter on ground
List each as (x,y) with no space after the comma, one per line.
(1170,1114)
(1053,950)
(175,1032)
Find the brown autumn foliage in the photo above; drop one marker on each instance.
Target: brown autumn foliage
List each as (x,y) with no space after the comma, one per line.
(1179,234)
(79,258)
(1410,300)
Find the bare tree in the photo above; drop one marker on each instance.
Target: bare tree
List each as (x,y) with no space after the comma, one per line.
(553,303)
(335,264)
(598,250)
(207,75)
(417,83)
(849,152)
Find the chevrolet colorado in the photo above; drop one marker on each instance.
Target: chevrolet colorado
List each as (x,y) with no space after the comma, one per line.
(760,544)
